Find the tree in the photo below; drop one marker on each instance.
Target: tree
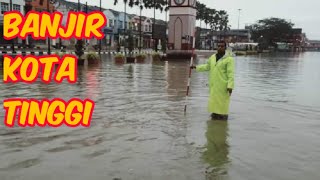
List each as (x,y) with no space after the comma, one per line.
(200,11)
(271,30)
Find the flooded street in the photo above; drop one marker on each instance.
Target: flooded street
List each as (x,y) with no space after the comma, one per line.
(140,132)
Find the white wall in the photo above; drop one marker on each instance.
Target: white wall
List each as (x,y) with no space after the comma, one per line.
(110,17)
(18,2)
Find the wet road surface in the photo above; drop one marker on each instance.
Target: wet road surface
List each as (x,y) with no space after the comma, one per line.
(139,130)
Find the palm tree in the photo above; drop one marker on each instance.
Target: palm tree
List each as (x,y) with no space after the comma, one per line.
(200,12)
(223,21)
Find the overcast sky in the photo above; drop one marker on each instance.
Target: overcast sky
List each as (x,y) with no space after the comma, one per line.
(304,14)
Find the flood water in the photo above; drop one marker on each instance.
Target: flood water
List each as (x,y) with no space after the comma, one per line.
(140,132)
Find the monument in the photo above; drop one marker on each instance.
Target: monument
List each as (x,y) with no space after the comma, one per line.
(182,22)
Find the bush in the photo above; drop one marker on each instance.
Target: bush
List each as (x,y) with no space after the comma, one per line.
(119,58)
(92,56)
(119,55)
(156,56)
(141,56)
(61,54)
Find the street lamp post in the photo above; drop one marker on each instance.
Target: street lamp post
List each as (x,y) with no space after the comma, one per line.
(12,41)
(86,41)
(153,25)
(140,28)
(100,48)
(49,42)
(125,26)
(166,41)
(238,25)
(239,19)
(79,46)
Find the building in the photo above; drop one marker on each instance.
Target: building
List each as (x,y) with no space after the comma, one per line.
(122,23)
(207,39)
(38,5)
(312,45)
(160,33)
(204,38)
(114,29)
(296,39)
(147,35)
(109,30)
(234,35)
(17,5)
(135,30)
(64,7)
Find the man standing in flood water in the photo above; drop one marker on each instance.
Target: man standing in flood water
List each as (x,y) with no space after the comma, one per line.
(221,81)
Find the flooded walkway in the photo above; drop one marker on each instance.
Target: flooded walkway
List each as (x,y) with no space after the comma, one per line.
(139,130)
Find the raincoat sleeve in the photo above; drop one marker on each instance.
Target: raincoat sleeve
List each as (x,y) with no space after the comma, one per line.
(230,73)
(204,67)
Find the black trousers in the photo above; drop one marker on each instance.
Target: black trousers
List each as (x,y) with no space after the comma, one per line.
(215,116)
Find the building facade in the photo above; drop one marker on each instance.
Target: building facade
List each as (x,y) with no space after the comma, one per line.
(109,30)
(38,5)
(312,45)
(207,39)
(114,29)
(17,5)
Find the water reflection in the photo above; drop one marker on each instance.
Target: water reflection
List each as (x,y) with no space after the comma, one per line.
(217,149)
(177,79)
(92,79)
(269,77)
(139,130)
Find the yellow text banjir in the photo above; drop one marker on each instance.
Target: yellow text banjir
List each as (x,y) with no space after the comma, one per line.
(28,69)
(42,25)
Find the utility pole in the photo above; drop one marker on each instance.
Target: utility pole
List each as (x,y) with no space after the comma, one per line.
(79,46)
(100,48)
(166,41)
(239,19)
(12,41)
(86,40)
(49,42)
(140,27)
(238,25)
(153,25)
(125,26)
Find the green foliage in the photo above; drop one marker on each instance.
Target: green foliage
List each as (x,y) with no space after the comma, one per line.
(271,30)
(217,20)
(156,56)
(149,4)
(143,56)
(92,56)
(61,54)
(119,55)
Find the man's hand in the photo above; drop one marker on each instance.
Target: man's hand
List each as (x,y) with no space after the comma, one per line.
(229,91)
